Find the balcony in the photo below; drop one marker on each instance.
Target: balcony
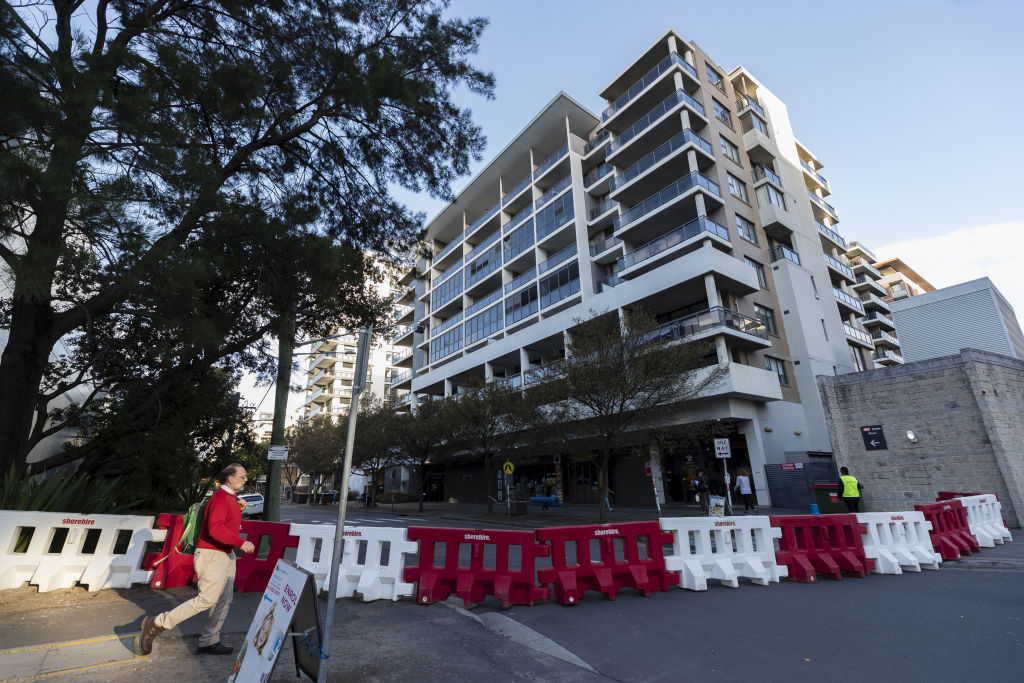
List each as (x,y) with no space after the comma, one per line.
(314,396)
(665,198)
(488,215)
(401,378)
(831,235)
(868,284)
(745,382)
(743,330)
(316,378)
(600,173)
(883,338)
(609,281)
(858,336)
(403,334)
(745,102)
(521,280)
(876,320)
(816,177)
(606,250)
(517,219)
(511,381)
(781,251)
(823,205)
(645,81)
(763,173)
(482,247)
(851,303)
(759,146)
(556,259)
(553,369)
(872,302)
(446,325)
(514,192)
(553,192)
(451,270)
(550,161)
(670,103)
(861,266)
(692,232)
(596,142)
(839,267)
(602,209)
(683,140)
(886,357)
(402,358)
(323,359)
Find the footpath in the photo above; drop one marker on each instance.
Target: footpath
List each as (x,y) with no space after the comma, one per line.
(71,634)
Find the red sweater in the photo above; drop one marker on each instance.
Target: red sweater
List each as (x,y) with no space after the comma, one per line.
(221,524)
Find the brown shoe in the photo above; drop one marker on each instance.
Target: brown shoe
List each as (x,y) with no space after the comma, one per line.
(149,631)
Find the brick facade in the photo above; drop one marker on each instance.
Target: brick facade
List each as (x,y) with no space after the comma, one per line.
(967,413)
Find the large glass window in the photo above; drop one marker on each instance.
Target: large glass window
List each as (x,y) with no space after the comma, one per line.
(759,269)
(518,241)
(485,324)
(722,112)
(447,344)
(560,284)
(521,304)
(730,150)
(778,367)
(447,291)
(555,215)
(746,229)
(857,356)
(715,78)
(481,267)
(738,188)
(767,316)
(768,195)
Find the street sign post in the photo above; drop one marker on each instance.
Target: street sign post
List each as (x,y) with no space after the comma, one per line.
(874,438)
(723,452)
(508,468)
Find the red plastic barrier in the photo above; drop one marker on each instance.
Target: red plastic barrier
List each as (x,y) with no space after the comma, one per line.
(252,572)
(950,534)
(829,544)
(947,495)
(605,573)
(174,568)
(475,582)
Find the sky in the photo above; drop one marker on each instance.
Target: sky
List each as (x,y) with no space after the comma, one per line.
(911,106)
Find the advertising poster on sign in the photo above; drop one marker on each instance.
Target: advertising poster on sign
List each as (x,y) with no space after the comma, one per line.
(717,506)
(270,625)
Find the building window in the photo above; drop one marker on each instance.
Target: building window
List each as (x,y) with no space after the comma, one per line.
(746,229)
(738,188)
(778,367)
(824,330)
(858,358)
(766,194)
(722,112)
(757,124)
(521,304)
(814,286)
(767,316)
(485,324)
(759,269)
(562,283)
(730,150)
(715,78)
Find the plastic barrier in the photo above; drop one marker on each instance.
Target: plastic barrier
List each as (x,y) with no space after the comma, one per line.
(69,548)
(985,520)
(252,572)
(476,582)
(898,541)
(169,567)
(946,495)
(604,572)
(829,544)
(722,548)
(372,579)
(950,533)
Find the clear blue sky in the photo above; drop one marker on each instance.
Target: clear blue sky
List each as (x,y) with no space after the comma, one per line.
(913,107)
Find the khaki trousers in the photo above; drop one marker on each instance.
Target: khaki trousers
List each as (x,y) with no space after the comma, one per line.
(216,570)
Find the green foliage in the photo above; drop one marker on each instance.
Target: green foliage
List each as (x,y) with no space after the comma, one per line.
(71,493)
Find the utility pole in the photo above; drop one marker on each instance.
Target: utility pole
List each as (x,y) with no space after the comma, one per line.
(285,346)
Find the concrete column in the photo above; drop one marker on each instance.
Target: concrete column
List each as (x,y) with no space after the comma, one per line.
(751,430)
(688,57)
(677,79)
(698,201)
(672,44)
(712,290)
(691,158)
(448,384)
(488,372)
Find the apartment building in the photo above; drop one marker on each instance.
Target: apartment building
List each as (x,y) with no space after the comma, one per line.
(689,196)
(900,280)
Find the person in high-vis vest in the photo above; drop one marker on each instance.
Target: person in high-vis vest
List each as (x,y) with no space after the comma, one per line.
(849,490)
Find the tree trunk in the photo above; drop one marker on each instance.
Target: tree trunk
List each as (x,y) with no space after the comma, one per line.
(602,486)
(423,482)
(491,485)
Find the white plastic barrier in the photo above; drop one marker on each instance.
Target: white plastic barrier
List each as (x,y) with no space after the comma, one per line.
(372,578)
(81,557)
(985,519)
(723,548)
(898,541)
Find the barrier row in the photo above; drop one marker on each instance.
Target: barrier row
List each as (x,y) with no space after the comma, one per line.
(54,550)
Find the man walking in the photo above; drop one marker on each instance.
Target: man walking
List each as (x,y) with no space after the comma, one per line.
(215,565)
(849,489)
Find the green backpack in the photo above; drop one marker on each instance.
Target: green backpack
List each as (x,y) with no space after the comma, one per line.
(192,523)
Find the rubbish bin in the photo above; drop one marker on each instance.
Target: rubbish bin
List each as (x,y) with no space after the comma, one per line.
(828,500)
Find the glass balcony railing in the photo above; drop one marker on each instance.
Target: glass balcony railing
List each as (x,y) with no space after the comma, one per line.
(447,324)
(551,160)
(482,247)
(851,301)
(598,173)
(653,115)
(829,209)
(886,354)
(456,241)
(604,245)
(520,280)
(667,149)
(745,101)
(601,209)
(648,78)
(451,270)
(553,369)
(554,191)
(611,281)
(400,357)
(518,218)
(516,190)
(404,331)
(839,265)
(596,142)
(484,302)
(860,335)
(781,251)
(489,265)
(708,319)
(679,187)
(556,259)
(861,263)
(882,335)
(832,234)
(678,236)
(762,172)
(483,219)
(512,381)
(401,377)
(810,169)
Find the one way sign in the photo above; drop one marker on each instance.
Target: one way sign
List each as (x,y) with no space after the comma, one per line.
(874,438)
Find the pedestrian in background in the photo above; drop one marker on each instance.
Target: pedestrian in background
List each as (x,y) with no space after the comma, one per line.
(215,566)
(849,490)
(743,488)
(704,490)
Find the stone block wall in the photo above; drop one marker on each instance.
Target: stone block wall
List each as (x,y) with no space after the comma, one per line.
(966,412)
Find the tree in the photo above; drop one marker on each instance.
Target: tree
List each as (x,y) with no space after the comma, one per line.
(315,445)
(619,377)
(149,140)
(486,420)
(422,435)
(376,448)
